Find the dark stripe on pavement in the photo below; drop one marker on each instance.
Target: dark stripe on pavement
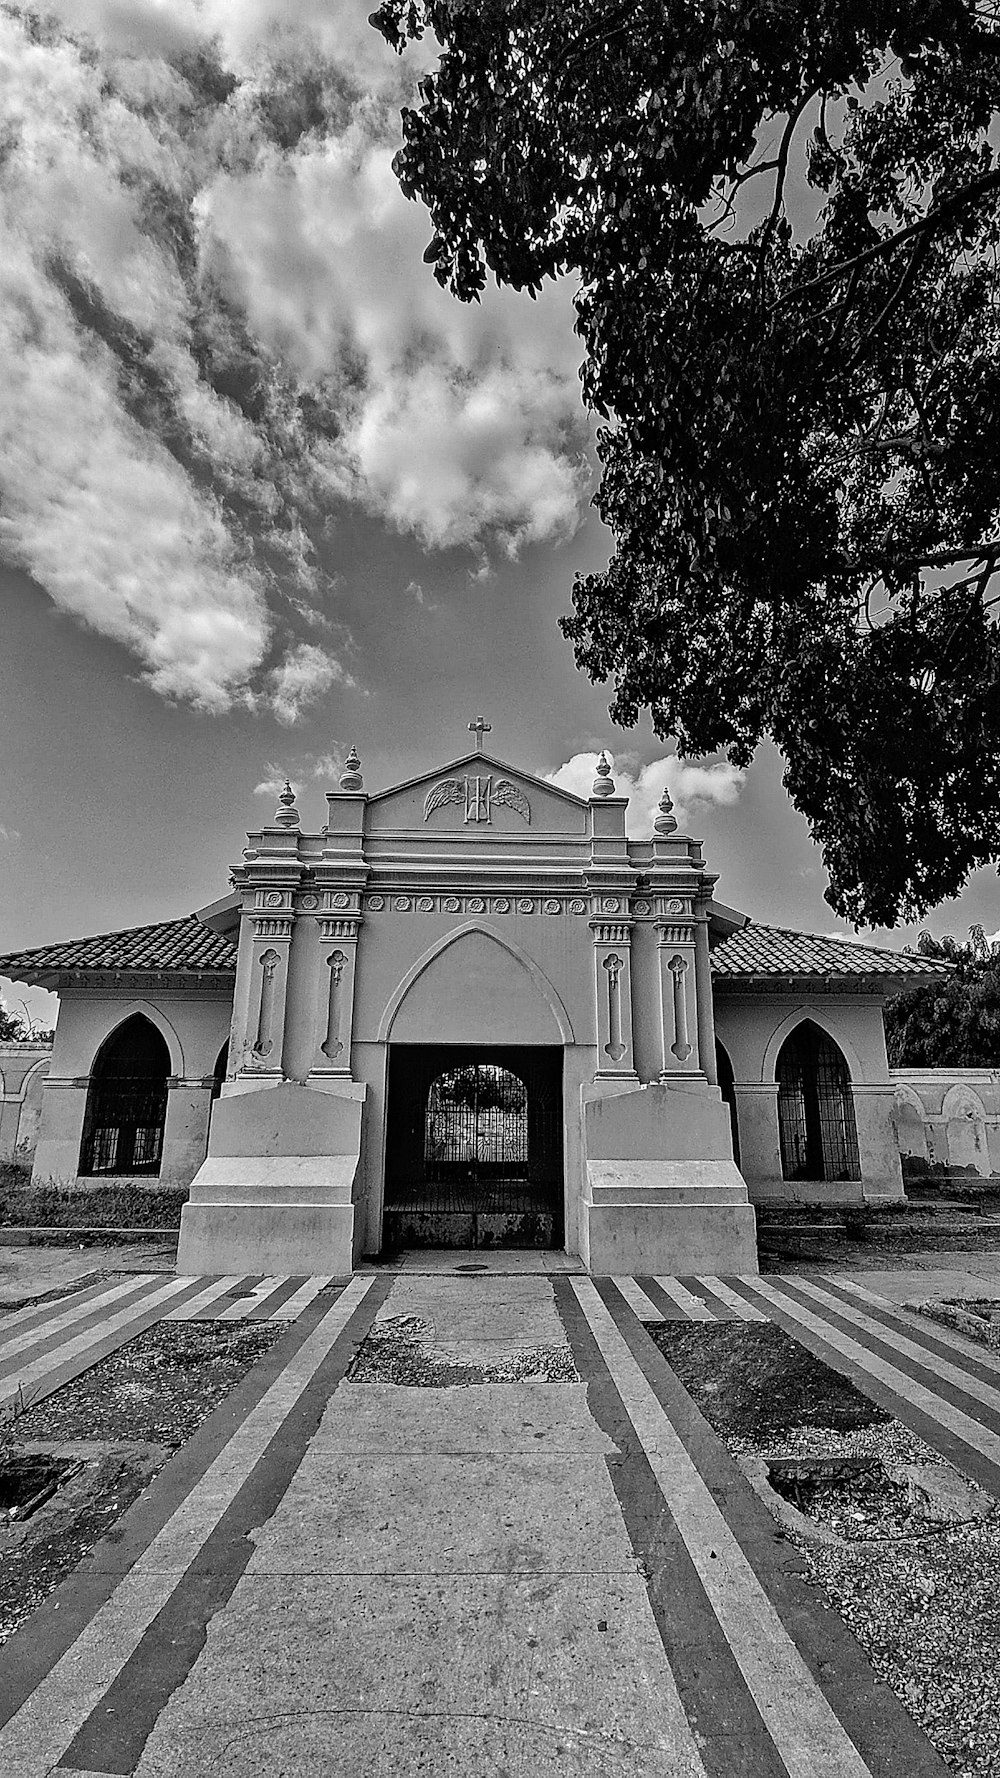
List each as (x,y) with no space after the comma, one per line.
(731,1733)
(722,1310)
(91,1355)
(272,1303)
(888,1740)
(890,1354)
(920,1336)
(44,1343)
(34,1650)
(670,1310)
(18,1321)
(940,1437)
(115,1733)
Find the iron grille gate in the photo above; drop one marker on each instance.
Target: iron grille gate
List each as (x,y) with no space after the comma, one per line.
(816,1123)
(474,1149)
(124,1126)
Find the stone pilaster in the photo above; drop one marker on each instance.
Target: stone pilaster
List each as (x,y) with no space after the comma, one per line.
(677,968)
(264,1038)
(339,927)
(613,991)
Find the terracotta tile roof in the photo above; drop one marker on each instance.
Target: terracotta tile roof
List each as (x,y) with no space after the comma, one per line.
(777,951)
(169,947)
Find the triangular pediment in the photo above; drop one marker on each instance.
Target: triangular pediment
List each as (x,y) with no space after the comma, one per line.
(478,791)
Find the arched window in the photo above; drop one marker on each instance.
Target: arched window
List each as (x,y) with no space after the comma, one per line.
(727,1087)
(127,1102)
(476,1125)
(819,1137)
(220,1070)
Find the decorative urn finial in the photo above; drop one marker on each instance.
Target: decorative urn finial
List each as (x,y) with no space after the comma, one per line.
(350,777)
(604,784)
(286,814)
(666,820)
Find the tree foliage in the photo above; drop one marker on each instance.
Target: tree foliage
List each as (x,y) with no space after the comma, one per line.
(19,1028)
(783,217)
(949,1021)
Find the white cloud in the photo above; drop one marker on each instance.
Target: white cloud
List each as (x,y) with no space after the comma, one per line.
(461,423)
(216,325)
(9,836)
(306,672)
(326,767)
(691,786)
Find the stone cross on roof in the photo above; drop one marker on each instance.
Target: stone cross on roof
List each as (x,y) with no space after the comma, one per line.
(479,728)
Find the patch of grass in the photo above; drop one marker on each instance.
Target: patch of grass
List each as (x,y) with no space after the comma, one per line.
(124,1206)
(751,1379)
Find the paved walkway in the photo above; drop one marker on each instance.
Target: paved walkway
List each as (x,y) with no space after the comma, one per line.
(338,1577)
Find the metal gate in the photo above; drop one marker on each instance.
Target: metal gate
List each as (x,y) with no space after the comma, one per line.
(816,1123)
(474,1148)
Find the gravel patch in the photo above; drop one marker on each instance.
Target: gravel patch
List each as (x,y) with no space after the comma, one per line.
(123,1419)
(903,1547)
(399,1350)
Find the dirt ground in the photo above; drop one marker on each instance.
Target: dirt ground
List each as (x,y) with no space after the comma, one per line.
(903,1547)
(121,1421)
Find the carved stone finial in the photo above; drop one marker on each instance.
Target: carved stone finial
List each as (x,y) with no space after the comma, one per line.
(604,784)
(666,820)
(286,814)
(350,777)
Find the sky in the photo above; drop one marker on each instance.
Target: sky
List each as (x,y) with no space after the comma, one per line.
(266,491)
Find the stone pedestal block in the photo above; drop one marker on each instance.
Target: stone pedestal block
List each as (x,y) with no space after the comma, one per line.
(276,1192)
(662,1193)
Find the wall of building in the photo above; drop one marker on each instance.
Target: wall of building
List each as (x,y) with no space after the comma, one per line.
(947,1121)
(194,1025)
(752,1028)
(23,1068)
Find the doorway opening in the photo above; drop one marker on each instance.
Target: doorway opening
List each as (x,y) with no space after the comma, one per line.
(474,1152)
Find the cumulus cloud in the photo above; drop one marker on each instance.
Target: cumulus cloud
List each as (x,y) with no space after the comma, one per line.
(692,787)
(325,767)
(306,672)
(216,327)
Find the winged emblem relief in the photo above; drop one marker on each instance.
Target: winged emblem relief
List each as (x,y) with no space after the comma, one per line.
(480,795)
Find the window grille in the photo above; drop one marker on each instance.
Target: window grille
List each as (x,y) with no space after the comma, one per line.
(127,1103)
(816,1123)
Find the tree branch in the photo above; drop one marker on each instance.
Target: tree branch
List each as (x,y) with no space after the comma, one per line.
(977,189)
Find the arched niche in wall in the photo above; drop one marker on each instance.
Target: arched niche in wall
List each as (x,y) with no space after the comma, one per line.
(727,1087)
(965,1129)
(816,1123)
(475,986)
(126,1102)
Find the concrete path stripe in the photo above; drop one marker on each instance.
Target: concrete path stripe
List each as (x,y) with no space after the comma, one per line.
(34,1650)
(215,1288)
(884,1734)
(742,1310)
(116,1730)
(888,1345)
(637,1299)
(693,1307)
(717,1705)
(253,1299)
(660,1300)
(935,1335)
(705,1294)
(804,1728)
(32,1312)
(896,1341)
(944,1427)
(38,1373)
(271,1307)
(48,1331)
(34,1738)
(303,1297)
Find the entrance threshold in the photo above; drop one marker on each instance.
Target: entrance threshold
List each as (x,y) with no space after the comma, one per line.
(479,1262)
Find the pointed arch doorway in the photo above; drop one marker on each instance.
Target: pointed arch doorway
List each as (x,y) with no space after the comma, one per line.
(474,1148)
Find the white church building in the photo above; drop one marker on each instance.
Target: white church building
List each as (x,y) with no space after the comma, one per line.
(470,1011)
